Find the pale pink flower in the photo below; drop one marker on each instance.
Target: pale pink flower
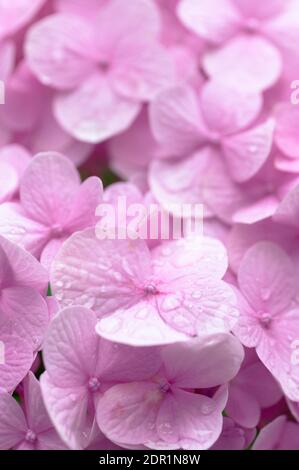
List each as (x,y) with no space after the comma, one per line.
(131,152)
(269,313)
(280,434)
(27,426)
(204,178)
(23,284)
(251,390)
(184,121)
(145,297)
(53,204)
(164,412)
(80,367)
(14,14)
(103,74)
(256,39)
(233,436)
(13,161)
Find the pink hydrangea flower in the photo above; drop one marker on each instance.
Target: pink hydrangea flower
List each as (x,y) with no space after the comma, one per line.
(80,367)
(17,13)
(164,412)
(204,177)
(251,390)
(27,117)
(146,298)
(269,319)
(280,434)
(23,282)
(131,152)
(233,436)
(257,39)
(53,204)
(183,121)
(27,427)
(13,161)
(103,74)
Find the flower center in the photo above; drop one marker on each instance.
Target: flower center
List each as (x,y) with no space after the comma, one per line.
(150,289)
(94,384)
(30,436)
(265,319)
(104,66)
(57,230)
(164,387)
(252,25)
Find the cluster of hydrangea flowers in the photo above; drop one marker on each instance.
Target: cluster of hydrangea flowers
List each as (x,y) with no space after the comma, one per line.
(128,343)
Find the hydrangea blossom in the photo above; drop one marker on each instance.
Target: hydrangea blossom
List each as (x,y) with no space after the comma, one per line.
(112,338)
(143,297)
(104,77)
(27,428)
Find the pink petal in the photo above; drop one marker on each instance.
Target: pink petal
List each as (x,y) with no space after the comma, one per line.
(7,59)
(70,349)
(258,64)
(27,271)
(24,313)
(196,419)
(115,271)
(16,156)
(270,435)
(94,111)
(67,408)
(286,132)
(266,278)
(214,20)
(243,407)
(263,11)
(201,308)
(203,363)
(90,8)
(257,211)
(14,16)
(36,414)
(176,121)
(142,68)
(283,30)
(279,352)
(82,214)
(140,17)
(247,152)
(50,251)
(49,440)
(203,257)
(17,361)
(140,325)
(288,209)
(127,413)
(47,188)
(243,236)
(25,232)
(264,387)
(8,181)
(226,110)
(132,151)
(119,363)
(181,182)
(57,54)
(13,425)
